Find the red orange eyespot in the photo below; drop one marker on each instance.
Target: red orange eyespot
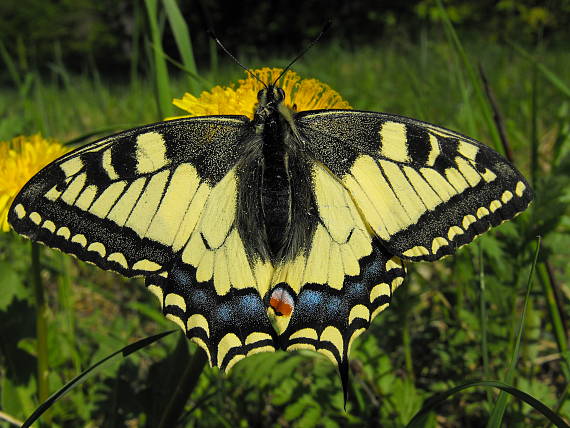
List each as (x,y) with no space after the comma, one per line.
(281,302)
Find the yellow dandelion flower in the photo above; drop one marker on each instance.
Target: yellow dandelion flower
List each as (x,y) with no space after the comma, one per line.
(20,159)
(300,94)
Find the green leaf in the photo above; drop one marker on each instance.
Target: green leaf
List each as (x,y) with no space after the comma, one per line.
(295,410)
(17,399)
(12,286)
(311,417)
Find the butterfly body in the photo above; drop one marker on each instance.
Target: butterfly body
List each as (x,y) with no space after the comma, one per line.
(287,231)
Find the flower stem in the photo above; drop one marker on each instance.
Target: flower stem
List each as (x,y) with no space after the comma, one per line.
(41,326)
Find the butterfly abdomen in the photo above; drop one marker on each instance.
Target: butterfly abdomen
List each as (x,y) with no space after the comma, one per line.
(275,188)
(286,198)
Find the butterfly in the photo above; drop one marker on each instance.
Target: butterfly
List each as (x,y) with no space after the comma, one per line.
(289,231)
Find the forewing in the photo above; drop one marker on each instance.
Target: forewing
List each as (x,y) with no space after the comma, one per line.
(422,189)
(160,201)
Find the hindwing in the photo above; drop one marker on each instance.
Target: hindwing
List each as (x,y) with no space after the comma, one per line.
(328,295)
(422,189)
(160,201)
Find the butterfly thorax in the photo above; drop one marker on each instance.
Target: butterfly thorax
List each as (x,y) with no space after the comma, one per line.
(281,170)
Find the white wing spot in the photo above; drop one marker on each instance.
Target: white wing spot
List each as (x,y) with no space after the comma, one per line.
(98,248)
(36,218)
(79,239)
(72,166)
(20,211)
(520,189)
(146,265)
(64,232)
(49,225)
(150,152)
(118,258)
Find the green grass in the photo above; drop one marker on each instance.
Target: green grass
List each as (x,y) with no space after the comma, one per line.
(428,341)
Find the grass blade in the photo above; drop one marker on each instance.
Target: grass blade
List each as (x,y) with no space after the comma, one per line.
(553,307)
(42,354)
(472,75)
(499,409)
(179,397)
(439,398)
(10,65)
(125,351)
(164,97)
(546,72)
(483,315)
(497,116)
(101,131)
(183,41)
(534,128)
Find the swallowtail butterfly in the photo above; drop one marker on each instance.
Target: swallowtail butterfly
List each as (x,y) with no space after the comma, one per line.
(288,231)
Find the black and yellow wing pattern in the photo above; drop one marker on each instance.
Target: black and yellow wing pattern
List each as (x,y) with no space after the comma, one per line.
(143,203)
(438,189)
(287,231)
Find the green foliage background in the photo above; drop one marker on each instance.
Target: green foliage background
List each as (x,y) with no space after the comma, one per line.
(72,69)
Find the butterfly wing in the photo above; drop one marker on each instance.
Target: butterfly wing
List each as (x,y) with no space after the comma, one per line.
(385,188)
(340,282)
(422,189)
(160,201)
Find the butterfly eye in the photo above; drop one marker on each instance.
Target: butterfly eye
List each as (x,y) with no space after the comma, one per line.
(261,95)
(279,94)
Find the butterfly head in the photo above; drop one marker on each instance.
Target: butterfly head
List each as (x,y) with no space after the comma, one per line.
(270,97)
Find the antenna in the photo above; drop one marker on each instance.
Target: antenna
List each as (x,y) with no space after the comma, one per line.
(326,27)
(251,73)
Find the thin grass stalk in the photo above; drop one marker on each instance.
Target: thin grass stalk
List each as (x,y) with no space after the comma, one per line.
(418,420)
(407,344)
(65,298)
(175,408)
(534,128)
(135,48)
(553,309)
(406,336)
(557,296)
(459,294)
(483,315)
(125,351)
(214,63)
(10,66)
(181,67)
(41,328)
(557,82)
(38,107)
(159,62)
(469,69)
(496,417)
(10,419)
(559,404)
(497,116)
(466,97)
